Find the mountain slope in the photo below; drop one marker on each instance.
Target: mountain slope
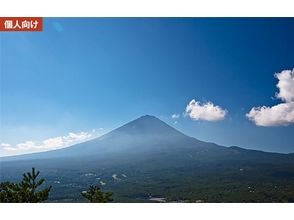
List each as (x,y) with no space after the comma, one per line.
(152,158)
(149,135)
(146,133)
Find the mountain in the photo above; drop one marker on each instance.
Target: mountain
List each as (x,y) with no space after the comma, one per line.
(146,134)
(147,158)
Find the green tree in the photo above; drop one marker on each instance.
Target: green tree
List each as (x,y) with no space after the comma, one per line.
(95,195)
(26,190)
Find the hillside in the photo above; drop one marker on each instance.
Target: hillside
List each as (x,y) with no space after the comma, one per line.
(146,159)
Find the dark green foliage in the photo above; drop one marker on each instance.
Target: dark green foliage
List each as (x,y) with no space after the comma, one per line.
(95,195)
(26,190)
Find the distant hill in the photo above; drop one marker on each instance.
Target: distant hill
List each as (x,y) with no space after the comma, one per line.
(146,158)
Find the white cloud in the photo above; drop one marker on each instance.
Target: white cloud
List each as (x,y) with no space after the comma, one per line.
(10,149)
(5,145)
(73,137)
(175,116)
(281,114)
(50,143)
(206,111)
(285,85)
(27,145)
(54,142)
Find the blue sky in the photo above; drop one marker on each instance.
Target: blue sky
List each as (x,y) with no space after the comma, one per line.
(81,74)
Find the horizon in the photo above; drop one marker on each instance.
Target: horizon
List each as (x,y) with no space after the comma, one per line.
(227,81)
(132,121)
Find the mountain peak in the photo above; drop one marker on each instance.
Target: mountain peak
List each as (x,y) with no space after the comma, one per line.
(147,125)
(148,117)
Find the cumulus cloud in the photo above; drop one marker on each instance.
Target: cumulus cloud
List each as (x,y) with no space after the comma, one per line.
(175,116)
(285,85)
(281,114)
(206,111)
(50,143)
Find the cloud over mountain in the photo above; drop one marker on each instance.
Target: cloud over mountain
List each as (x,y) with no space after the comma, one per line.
(206,111)
(281,114)
(50,143)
